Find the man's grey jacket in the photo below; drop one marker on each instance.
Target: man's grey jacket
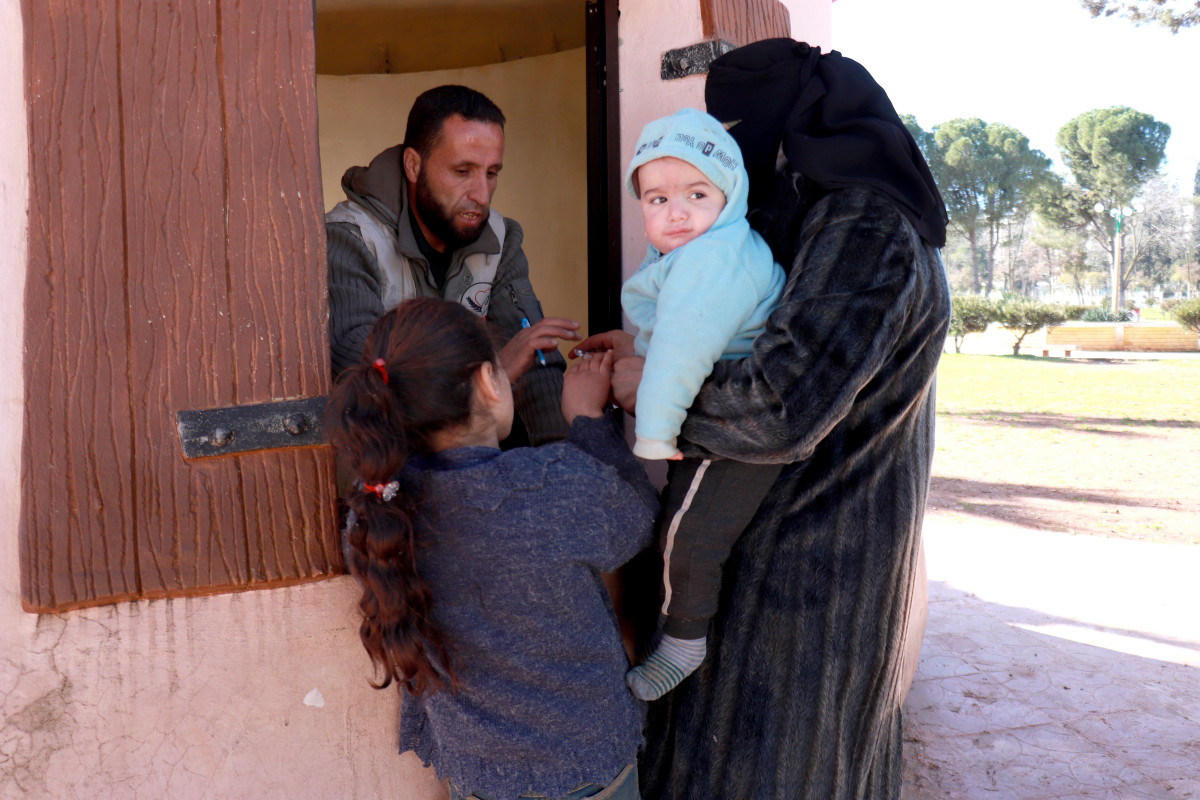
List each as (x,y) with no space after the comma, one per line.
(375,263)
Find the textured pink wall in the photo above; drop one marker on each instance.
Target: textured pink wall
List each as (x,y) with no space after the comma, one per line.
(812,21)
(646,31)
(254,695)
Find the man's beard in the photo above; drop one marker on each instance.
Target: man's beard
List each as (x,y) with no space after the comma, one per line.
(440,220)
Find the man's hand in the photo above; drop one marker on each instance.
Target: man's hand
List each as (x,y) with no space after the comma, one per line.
(586,387)
(627,374)
(619,342)
(518,355)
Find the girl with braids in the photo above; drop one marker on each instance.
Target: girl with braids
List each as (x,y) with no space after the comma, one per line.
(481,569)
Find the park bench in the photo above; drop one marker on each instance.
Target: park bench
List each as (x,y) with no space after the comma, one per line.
(1066,349)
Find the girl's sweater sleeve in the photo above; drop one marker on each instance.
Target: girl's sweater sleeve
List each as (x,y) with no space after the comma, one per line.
(844,306)
(617,502)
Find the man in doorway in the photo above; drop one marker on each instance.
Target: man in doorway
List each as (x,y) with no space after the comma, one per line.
(418,222)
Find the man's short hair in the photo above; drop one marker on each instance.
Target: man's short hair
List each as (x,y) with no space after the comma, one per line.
(430,111)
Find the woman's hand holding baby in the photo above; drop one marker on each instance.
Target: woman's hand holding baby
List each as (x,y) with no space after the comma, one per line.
(586,386)
(627,375)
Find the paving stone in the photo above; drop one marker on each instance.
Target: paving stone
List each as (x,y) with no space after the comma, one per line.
(1055,666)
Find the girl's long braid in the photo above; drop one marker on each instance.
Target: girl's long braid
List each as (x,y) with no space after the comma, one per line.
(415,379)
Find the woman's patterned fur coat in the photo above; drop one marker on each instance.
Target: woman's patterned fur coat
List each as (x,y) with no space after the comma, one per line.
(800,694)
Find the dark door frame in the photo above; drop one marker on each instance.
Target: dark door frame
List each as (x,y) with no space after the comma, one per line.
(604,167)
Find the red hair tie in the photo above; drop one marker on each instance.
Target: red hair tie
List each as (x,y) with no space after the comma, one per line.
(384,491)
(381,365)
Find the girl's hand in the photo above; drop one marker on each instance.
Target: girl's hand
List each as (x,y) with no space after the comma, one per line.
(619,342)
(586,386)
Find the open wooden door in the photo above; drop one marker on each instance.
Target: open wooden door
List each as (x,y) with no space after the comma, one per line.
(176,263)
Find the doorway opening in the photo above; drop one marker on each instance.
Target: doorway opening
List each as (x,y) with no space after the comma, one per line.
(531,57)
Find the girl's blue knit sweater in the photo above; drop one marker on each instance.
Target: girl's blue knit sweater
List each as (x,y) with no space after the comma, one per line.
(512,545)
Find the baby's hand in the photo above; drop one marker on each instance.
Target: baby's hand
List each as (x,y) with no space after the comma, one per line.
(586,386)
(620,342)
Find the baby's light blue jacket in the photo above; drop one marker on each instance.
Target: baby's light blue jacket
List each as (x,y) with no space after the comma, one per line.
(703,301)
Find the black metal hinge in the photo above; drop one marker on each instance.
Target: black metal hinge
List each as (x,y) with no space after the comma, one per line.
(240,429)
(693,59)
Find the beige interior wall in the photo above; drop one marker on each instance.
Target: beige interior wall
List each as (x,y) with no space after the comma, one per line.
(544,182)
(357,37)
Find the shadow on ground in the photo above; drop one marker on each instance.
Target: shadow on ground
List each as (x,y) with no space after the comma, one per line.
(1066,422)
(1011,502)
(1009,703)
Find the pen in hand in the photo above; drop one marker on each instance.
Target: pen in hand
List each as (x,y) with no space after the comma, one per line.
(541,358)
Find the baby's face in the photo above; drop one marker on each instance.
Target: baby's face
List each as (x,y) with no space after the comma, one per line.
(678,203)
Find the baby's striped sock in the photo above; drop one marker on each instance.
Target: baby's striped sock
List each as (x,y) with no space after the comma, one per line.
(667,666)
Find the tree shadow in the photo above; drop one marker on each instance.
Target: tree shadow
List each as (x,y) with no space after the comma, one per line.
(1083,358)
(1030,419)
(1003,501)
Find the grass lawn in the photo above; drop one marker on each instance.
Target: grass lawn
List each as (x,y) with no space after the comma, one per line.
(1101,447)
(1153,314)
(1137,390)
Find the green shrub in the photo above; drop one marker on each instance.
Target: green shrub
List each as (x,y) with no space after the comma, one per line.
(1026,316)
(1170,303)
(1096,314)
(1074,313)
(1187,314)
(969,314)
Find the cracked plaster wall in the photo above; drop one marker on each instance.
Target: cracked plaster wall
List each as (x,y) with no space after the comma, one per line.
(210,697)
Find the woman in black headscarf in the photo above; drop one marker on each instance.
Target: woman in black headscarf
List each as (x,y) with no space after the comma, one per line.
(800,693)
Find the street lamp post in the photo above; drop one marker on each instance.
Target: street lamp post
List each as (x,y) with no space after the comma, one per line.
(1119,214)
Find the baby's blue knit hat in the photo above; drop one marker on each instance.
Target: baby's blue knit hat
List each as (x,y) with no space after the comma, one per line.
(699,139)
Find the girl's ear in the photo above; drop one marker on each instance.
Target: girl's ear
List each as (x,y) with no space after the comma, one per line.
(487,386)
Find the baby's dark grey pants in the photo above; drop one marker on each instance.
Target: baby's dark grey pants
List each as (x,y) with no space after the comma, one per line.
(706,505)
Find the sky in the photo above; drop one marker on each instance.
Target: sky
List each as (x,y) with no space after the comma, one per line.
(1030,64)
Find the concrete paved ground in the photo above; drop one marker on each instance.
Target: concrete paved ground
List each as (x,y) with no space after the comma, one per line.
(1055,666)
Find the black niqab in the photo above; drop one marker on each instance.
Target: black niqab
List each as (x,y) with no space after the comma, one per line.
(836,126)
